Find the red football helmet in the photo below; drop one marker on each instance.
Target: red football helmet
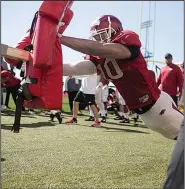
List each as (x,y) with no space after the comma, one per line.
(104,28)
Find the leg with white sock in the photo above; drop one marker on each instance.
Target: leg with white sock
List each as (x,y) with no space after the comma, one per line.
(126,114)
(91,112)
(119,113)
(105,105)
(102,111)
(135,116)
(91,115)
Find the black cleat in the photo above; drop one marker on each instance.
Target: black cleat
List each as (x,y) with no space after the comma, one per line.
(124,121)
(90,119)
(59,117)
(52,116)
(103,119)
(72,121)
(119,118)
(15,128)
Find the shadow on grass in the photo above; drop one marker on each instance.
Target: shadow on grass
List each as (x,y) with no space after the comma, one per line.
(12,113)
(64,114)
(123,130)
(113,129)
(43,115)
(2,159)
(127,124)
(29,125)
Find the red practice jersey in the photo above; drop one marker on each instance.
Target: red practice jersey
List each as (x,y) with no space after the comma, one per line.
(170,78)
(131,77)
(12,80)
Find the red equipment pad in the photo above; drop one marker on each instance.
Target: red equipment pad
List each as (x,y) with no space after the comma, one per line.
(46,31)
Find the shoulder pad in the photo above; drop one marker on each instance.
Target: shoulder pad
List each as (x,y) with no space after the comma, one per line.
(128,38)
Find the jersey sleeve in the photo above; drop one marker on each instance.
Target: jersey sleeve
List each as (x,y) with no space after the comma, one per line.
(131,40)
(128,38)
(94,60)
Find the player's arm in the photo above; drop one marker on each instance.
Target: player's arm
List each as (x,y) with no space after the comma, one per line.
(83,67)
(103,50)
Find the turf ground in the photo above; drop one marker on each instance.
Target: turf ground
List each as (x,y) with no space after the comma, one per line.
(51,155)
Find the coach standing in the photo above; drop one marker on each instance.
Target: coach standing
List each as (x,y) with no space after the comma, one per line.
(72,86)
(171,79)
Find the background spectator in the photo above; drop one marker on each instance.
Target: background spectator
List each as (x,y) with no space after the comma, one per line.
(181,98)
(12,84)
(170,79)
(72,86)
(86,94)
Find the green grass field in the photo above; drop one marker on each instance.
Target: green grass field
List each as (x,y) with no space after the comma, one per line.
(48,155)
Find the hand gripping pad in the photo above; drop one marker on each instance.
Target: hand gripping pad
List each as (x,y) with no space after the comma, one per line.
(67,19)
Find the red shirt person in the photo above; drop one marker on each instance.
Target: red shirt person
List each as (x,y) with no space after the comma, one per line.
(181,98)
(116,53)
(11,83)
(12,80)
(171,79)
(182,69)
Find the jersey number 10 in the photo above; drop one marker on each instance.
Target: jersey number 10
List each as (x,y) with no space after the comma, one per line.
(107,69)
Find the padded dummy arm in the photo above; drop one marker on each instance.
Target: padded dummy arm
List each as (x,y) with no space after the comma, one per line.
(84,67)
(14,53)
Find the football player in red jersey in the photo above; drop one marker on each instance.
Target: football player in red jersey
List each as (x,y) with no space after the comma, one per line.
(116,53)
(11,83)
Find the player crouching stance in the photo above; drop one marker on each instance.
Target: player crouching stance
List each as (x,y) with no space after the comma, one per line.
(116,54)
